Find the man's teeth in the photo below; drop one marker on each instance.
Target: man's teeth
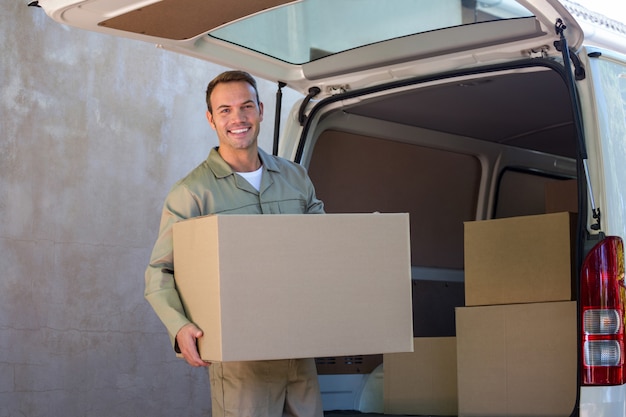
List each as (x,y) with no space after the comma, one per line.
(237,131)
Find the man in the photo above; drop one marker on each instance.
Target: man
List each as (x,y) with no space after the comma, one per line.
(236,178)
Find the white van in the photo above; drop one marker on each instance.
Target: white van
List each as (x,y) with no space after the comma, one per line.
(454,111)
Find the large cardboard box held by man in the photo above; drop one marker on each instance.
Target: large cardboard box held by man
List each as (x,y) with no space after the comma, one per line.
(525,259)
(293,286)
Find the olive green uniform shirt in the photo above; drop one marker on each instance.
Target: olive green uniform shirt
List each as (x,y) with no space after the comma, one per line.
(213,188)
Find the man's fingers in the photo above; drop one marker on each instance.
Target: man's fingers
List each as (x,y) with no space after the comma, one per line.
(186,338)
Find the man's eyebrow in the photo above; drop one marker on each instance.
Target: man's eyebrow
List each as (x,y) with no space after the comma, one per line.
(225,106)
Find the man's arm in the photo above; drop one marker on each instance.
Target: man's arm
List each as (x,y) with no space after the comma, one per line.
(314,205)
(160,287)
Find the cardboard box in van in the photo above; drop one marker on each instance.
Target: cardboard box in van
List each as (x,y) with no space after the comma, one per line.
(524,259)
(423,382)
(294,286)
(517,360)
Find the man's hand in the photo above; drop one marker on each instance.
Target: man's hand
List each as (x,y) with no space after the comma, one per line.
(186,338)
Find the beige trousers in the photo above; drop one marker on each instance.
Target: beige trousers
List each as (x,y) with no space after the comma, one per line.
(278,388)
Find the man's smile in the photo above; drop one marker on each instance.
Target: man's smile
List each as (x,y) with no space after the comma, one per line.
(239,131)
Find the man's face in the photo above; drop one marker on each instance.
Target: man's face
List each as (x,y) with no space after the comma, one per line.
(236,115)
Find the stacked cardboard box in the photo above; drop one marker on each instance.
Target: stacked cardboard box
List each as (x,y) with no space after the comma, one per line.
(524,259)
(516,337)
(515,350)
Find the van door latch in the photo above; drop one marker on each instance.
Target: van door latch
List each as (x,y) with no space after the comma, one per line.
(540,52)
(333,90)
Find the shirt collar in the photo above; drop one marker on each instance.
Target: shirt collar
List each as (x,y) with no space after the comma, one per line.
(221,169)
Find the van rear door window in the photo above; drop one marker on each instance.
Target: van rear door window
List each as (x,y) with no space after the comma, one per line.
(303,31)
(521,193)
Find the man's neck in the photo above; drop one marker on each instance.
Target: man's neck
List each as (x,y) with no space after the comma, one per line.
(241,160)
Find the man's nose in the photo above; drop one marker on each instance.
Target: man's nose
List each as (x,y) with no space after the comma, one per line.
(239,115)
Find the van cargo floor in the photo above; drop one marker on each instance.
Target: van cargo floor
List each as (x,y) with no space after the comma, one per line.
(353,413)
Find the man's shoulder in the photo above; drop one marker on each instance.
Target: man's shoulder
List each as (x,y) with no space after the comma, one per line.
(278,163)
(195,176)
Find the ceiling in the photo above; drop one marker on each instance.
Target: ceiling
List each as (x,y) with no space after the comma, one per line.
(526,109)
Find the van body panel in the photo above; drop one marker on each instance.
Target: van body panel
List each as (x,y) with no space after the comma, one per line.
(607,120)
(603,401)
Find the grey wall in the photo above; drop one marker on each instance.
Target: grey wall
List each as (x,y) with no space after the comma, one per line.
(93,132)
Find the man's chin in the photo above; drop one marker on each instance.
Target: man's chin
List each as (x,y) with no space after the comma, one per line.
(241,144)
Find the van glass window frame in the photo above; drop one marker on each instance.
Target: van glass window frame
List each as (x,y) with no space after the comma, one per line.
(608,72)
(303,31)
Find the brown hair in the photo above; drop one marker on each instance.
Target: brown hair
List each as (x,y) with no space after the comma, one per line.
(227,77)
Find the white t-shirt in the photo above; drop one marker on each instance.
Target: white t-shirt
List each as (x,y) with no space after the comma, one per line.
(254,177)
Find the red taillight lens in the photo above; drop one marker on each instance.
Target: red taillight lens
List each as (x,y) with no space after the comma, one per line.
(602,300)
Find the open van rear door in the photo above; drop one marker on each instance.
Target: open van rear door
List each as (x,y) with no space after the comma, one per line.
(331,44)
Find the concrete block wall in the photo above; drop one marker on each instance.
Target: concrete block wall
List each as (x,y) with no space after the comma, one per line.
(94,130)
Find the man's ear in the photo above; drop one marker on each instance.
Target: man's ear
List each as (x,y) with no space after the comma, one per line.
(261,110)
(209,117)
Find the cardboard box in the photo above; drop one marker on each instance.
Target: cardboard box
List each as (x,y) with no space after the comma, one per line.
(517,360)
(423,382)
(523,259)
(294,286)
(561,196)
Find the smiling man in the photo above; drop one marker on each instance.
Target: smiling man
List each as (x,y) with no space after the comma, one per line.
(235,113)
(236,178)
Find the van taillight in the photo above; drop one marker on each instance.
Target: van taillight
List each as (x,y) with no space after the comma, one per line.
(602,300)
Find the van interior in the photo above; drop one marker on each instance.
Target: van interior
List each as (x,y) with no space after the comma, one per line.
(463,147)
